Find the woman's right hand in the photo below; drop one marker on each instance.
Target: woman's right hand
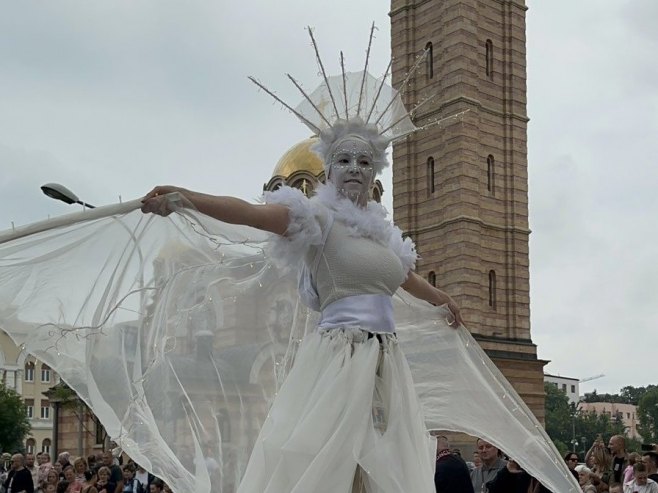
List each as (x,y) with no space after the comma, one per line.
(156,200)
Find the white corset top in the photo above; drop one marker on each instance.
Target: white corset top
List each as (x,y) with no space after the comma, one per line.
(352,266)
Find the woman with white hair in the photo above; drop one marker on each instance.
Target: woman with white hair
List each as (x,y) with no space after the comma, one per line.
(585,479)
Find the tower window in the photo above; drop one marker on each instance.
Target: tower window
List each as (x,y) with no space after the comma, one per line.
(429,49)
(489,58)
(492,289)
(431,278)
(430,176)
(491,174)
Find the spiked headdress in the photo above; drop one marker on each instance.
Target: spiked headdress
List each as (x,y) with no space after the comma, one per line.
(355,103)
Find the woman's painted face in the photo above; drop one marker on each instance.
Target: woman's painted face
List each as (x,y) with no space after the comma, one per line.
(351,168)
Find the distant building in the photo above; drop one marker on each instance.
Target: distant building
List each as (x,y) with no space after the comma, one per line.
(627,413)
(30,378)
(569,385)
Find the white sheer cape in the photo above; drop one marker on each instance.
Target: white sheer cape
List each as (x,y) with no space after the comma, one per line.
(178,331)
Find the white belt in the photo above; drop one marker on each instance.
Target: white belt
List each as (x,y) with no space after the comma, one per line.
(373,312)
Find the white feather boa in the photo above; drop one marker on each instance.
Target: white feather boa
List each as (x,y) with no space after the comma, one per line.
(304,229)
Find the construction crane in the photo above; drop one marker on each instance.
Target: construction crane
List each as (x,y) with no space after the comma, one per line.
(589,379)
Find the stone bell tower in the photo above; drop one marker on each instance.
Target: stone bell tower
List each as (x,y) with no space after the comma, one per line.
(460,189)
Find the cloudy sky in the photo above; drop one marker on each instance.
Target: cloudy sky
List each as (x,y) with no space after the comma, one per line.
(112,98)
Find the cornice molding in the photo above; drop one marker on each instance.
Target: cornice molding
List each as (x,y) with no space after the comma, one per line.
(472,220)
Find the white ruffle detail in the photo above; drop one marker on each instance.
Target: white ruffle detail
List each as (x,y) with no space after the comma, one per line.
(404,248)
(303,230)
(371,222)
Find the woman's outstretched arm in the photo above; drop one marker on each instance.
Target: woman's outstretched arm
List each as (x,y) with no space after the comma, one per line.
(421,289)
(268,217)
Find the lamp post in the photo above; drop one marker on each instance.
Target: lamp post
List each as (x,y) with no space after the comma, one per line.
(60,192)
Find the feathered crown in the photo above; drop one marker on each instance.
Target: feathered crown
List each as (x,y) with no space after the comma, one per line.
(356,103)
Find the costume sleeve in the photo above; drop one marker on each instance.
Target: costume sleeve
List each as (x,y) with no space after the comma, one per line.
(304,227)
(404,248)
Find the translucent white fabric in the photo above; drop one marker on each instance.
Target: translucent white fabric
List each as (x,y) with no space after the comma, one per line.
(178,333)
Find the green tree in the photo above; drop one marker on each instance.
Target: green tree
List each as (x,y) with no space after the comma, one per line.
(558,415)
(647,410)
(14,424)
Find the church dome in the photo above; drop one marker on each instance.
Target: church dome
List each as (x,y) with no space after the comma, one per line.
(298,158)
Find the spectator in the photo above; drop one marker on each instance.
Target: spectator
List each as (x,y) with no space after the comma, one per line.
(69,476)
(63,459)
(89,486)
(51,478)
(144,477)
(91,464)
(585,479)
(157,486)
(616,488)
(115,471)
(80,468)
(641,483)
(451,474)
(513,479)
(50,488)
(105,483)
(58,467)
(491,464)
(63,487)
(44,467)
(572,461)
(130,483)
(600,460)
(617,446)
(633,458)
(19,479)
(650,459)
(34,470)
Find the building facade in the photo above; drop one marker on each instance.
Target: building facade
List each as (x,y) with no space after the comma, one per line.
(626,413)
(570,386)
(460,187)
(30,378)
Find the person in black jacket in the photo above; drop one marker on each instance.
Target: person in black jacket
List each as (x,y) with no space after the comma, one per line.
(19,479)
(513,479)
(451,474)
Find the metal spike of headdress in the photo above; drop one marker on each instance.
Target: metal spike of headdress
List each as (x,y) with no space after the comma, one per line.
(356,103)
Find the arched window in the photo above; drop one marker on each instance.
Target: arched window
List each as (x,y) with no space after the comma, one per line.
(492,289)
(429,61)
(430,176)
(45,445)
(491,174)
(29,372)
(29,445)
(431,278)
(489,58)
(45,373)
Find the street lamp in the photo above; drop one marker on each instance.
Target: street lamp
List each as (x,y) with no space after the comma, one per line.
(60,192)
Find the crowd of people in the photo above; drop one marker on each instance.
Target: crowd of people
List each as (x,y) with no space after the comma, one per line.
(604,468)
(101,473)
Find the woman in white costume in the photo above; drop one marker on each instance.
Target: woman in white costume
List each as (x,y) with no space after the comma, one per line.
(348,403)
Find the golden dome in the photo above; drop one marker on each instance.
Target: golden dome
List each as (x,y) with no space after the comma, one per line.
(299,157)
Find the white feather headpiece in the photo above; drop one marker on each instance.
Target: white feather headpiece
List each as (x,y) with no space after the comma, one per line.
(355,103)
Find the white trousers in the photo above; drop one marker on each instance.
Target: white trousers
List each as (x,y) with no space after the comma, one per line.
(346,419)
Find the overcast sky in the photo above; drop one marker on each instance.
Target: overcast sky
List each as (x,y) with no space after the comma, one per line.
(112,98)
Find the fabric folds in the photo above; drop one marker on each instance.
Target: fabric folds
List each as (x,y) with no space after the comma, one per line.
(178,333)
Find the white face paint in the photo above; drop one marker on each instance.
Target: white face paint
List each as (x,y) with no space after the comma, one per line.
(351,169)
